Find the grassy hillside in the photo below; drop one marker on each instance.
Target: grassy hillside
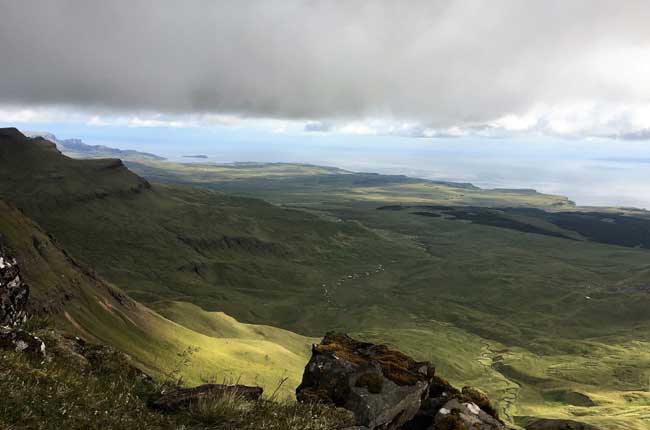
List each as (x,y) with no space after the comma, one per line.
(536,306)
(243,256)
(538,311)
(315,185)
(81,302)
(81,386)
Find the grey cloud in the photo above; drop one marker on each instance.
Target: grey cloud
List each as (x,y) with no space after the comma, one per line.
(318,126)
(636,135)
(442,63)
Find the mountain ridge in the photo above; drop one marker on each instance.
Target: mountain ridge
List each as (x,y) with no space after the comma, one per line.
(79,301)
(76,148)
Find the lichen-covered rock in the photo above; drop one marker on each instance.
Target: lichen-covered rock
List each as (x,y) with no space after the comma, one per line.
(479,398)
(21,341)
(458,415)
(442,390)
(13,291)
(448,408)
(382,387)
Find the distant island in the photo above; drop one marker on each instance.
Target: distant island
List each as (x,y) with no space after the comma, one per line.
(195,156)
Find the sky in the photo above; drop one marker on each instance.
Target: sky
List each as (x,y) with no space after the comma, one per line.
(543,93)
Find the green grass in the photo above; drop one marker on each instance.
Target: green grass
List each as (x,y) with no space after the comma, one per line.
(70,392)
(615,377)
(287,183)
(527,317)
(223,349)
(461,294)
(231,413)
(58,393)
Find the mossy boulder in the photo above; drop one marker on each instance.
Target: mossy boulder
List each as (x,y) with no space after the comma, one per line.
(451,422)
(382,387)
(372,381)
(448,408)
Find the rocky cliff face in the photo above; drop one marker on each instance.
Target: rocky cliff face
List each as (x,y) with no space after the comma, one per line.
(13,291)
(13,299)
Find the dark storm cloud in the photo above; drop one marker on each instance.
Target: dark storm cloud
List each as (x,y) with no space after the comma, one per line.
(439,62)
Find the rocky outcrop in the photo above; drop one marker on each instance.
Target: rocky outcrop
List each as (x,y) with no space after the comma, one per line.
(388,390)
(383,388)
(558,424)
(13,291)
(21,341)
(13,299)
(181,398)
(447,408)
(459,414)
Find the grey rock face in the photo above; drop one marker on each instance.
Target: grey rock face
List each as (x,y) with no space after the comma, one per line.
(13,291)
(391,408)
(467,413)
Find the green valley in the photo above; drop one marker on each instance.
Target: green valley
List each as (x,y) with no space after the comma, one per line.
(83,303)
(540,302)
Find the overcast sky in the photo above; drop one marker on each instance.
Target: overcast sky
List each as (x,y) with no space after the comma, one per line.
(417,68)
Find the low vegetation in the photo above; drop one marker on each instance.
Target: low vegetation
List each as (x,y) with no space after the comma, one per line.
(70,295)
(68,391)
(528,316)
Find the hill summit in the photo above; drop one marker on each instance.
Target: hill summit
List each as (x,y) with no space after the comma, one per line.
(36,174)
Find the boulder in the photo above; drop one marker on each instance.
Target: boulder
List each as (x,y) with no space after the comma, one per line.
(21,341)
(383,388)
(13,291)
(181,398)
(459,415)
(448,408)
(558,424)
(479,398)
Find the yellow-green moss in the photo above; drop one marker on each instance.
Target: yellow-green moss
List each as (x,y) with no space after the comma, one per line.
(373,382)
(395,366)
(479,398)
(451,422)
